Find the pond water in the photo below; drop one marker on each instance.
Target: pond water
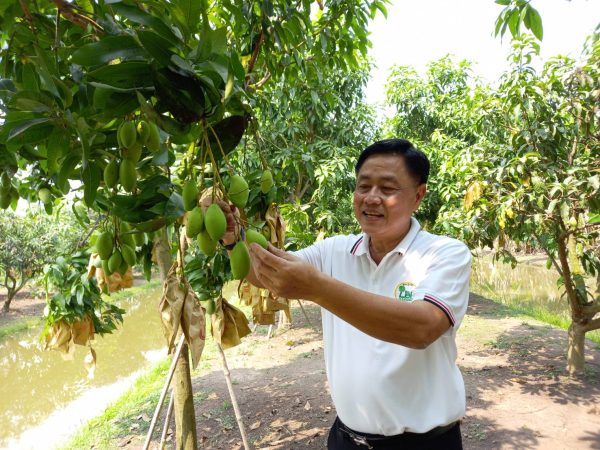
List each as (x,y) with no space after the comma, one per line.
(44,398)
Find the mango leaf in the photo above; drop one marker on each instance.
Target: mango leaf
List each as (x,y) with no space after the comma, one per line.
(90,175)
(30,131)
(143,18)
(533,18)
(158,47)
(187,14)
(594,219)
(7,159)
(106,50)
(125,75)
(66,171)
(34,101)
(229,132)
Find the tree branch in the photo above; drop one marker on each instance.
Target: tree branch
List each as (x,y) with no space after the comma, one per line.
(255,52)
(592,325)
(67,10)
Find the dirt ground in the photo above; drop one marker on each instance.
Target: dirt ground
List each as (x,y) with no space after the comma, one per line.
(518,394)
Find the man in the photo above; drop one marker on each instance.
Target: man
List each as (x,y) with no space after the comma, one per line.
(392,299)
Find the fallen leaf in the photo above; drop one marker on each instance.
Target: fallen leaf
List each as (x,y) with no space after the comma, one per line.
(212,396)
(307,406)
(255,425)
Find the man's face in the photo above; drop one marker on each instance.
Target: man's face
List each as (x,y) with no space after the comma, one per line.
(385,197)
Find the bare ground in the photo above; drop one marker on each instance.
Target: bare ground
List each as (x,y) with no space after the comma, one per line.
(518,394)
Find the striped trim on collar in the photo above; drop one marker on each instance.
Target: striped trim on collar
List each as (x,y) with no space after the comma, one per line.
(356,245)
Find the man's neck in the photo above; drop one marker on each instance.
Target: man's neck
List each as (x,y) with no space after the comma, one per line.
(378,249)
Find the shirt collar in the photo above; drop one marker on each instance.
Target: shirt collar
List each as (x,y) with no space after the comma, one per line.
(361,245)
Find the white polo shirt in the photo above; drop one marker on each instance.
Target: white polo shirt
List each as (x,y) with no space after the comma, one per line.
(383,388)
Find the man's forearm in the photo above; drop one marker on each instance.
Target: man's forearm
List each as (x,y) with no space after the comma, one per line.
(416,324)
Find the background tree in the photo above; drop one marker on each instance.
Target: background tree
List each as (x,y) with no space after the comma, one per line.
(517,164)
(29,242)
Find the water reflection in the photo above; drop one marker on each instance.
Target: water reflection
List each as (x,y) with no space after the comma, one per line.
(36,382)
(530,284)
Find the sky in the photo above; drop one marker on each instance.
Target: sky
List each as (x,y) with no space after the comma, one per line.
(419,31)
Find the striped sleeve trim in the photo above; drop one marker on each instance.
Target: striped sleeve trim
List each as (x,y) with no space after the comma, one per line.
(355,246)
(437,302)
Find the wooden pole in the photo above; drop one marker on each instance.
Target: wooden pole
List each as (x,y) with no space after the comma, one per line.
(236,408)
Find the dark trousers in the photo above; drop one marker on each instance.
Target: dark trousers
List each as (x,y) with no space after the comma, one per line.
(343,438)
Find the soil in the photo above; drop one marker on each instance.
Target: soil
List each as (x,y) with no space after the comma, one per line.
(518,393)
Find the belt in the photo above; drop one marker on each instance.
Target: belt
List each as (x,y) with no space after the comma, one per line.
(408,436)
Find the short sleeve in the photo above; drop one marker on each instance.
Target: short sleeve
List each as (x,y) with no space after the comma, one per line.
(445,283)
(312,254)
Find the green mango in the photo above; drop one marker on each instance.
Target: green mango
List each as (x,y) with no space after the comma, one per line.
(127,134)
(128,254)
(215,222)
(238,191)
(115,261)
(210,306)
(206,244)
(111,174)
(104,245)
(240,261)
(190,195)
(128,175)
(195,222)
(253,236)
(153,142)
(266,181)
(143,129)
(45,195)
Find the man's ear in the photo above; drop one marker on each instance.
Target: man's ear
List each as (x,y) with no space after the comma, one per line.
(421,191)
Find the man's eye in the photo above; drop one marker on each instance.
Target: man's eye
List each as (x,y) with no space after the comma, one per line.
(388,190)
(363,187)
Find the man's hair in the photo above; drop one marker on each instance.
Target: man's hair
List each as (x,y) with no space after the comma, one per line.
(415,160)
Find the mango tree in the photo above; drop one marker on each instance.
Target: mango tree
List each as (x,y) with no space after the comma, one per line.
(534,178)
(135,110)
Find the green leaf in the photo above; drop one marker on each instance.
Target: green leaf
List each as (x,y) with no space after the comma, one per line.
(125,75)
(33,101)
(503,2)
(107,50)
(514,22)
(90,175)
(66,171)
(594,219)
(30,131)
(143,18)
(158,47)
(535,22)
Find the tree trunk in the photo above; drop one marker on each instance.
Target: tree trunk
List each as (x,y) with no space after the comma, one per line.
(183,408)
(576,349)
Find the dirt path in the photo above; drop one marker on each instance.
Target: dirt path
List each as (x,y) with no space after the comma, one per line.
(518,395)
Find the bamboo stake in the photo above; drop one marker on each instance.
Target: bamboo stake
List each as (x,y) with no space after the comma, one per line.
(236,408)
(163,394)
(163,436)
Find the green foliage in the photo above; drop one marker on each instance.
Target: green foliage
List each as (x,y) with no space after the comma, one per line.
(516,14)
(200,74)
(76,295)
(29,242)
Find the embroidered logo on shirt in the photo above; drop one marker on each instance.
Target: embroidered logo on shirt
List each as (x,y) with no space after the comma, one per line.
(404,291)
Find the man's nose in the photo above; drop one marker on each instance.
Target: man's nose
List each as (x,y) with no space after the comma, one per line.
(373,196)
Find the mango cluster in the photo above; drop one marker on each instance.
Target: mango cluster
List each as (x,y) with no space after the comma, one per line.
(8,192)
(118,251)
(132,137)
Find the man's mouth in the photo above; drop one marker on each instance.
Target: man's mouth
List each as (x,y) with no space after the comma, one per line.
(372,214)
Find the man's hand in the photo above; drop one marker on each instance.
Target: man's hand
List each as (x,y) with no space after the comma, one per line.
(283,274)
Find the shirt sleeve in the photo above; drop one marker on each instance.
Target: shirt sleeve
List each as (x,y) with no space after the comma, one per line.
(312,254)
(446,281)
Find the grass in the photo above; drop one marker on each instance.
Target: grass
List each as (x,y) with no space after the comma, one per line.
(121,418)
(19,326)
